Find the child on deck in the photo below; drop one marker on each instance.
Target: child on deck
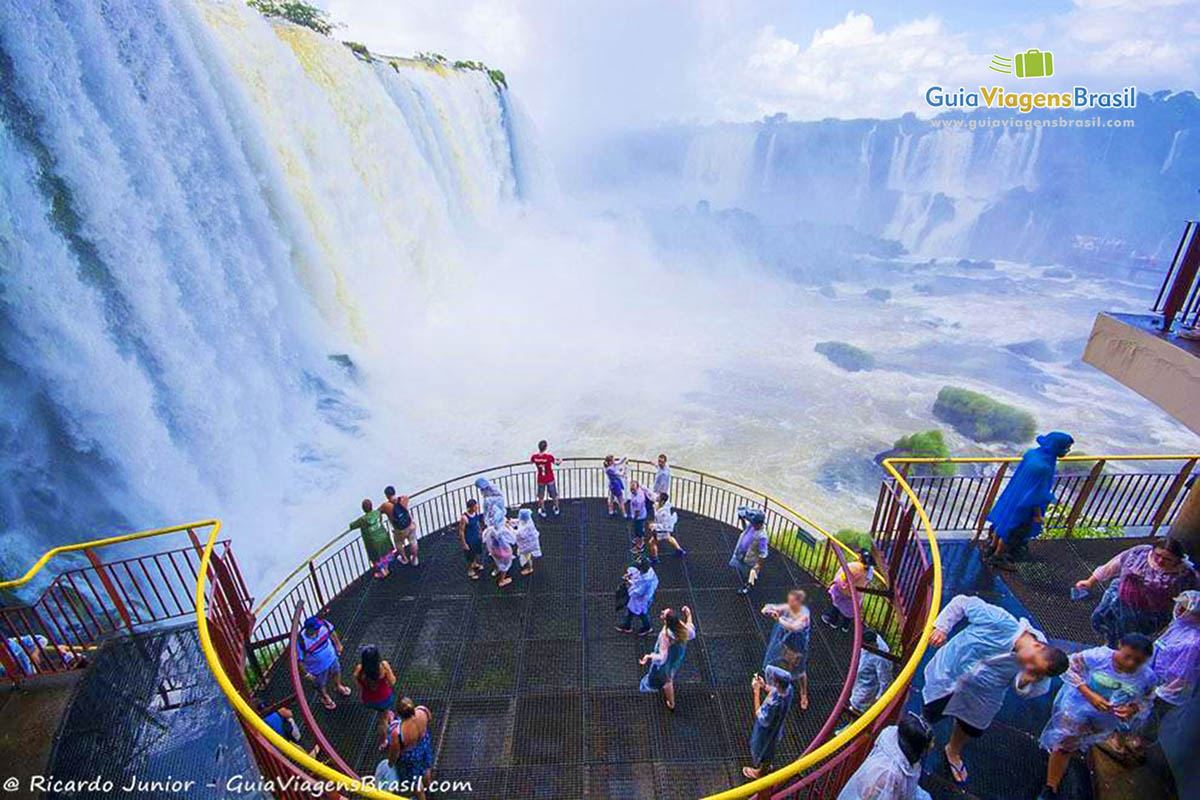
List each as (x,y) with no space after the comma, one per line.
(319,647)
(663,527)
(614,471)
(529,544)
(470,533)
(498,540)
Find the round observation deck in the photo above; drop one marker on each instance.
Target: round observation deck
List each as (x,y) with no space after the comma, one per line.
(534,693)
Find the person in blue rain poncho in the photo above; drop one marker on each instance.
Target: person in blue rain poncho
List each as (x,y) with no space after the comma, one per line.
(874,673)
(1019,511)
(893,768)
(751,548)
(974,669)
(772,701)
(788,646)
(1104,690)
(669,652)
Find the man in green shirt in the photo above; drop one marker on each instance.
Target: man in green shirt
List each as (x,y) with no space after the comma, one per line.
(375,538)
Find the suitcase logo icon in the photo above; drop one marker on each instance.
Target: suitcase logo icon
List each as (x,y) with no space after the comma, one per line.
(1033,63)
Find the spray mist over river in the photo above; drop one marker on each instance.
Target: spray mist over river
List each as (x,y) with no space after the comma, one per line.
(246,274)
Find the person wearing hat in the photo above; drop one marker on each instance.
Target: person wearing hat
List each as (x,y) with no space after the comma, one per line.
(751,548)
(772,702)
(319,647)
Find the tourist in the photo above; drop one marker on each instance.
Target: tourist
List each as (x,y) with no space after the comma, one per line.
(409,763)
(281,720)
(892,770)
(1147,579)
(770,714)
(319,647)
(495,507)
(498,540)
(668,655)
(642,583)
(840,613)
(973,669)
(662,477)
(1176,660)
(788,646)
(33,654)
(614,471)
(376,682)
(1020,510)
(1177,652)
(547,484)
(374,538)
(639,508)
(470,534)
(529,543)
(874,673)
(1104,689)
(404,527)
(751,549)
(663,528)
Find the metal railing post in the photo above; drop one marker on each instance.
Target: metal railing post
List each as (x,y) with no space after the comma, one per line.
(992,492)
(109,587)
(1168,500)
(1084,493)
(316,584)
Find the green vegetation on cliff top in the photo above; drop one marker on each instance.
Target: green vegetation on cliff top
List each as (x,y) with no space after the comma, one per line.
(981,418)
(926,444)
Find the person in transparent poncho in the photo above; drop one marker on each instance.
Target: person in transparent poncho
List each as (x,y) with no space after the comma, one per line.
(892,770)
(788,645)
(773,697)
(874,673)
(1104,690)
(974,669)
(752,547)
(529,542)
(669,652)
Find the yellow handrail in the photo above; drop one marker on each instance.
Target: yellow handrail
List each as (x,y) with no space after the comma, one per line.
(898,685)
(1014,459)
(248,714)
(71,548)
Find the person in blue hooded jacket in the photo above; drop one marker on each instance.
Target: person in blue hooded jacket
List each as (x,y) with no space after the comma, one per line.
(1018,512)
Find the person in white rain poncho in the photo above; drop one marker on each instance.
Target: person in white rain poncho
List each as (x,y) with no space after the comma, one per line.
(663,527)
(874,673)
(975,668)
(494,504)
(893,768)
(529,542)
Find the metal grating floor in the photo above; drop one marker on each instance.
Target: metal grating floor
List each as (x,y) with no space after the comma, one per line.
(1042,583)
(534,692)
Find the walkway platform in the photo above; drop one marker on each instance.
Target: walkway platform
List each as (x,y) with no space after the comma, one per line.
(1007,763)
(533,691)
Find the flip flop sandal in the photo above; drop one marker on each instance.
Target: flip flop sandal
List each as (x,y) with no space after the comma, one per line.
(328,703)
(959,772)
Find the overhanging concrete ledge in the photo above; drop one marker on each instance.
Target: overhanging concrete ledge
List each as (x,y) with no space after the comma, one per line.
(1160,367)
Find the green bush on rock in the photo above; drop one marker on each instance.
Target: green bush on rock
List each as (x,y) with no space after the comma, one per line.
(926,444)
(981,418)
(846,356)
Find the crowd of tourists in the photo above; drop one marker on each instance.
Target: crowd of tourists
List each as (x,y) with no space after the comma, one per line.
(1148,615)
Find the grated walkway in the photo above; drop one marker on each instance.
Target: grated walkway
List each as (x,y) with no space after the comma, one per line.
(533,692)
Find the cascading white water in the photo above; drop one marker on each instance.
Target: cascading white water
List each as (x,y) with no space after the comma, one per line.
(198,207)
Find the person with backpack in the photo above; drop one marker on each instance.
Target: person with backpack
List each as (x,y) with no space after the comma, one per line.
(404,527)
(318,648)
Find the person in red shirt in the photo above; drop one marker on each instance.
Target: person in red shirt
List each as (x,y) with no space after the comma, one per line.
(546,482)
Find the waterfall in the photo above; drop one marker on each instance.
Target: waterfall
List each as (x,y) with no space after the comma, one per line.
(198,208)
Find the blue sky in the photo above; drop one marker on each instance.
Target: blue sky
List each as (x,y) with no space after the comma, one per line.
(593,66)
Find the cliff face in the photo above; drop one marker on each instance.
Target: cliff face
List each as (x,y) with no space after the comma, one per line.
(1104,195)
